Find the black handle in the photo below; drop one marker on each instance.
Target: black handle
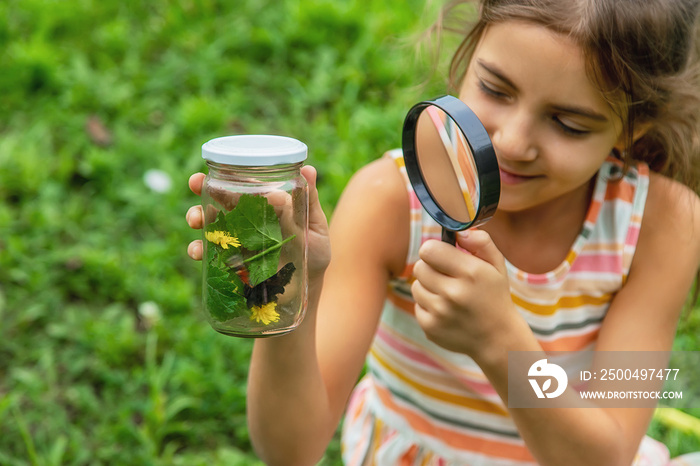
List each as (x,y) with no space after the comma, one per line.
(449,236)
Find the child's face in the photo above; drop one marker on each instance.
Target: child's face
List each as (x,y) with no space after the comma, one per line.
(550,126)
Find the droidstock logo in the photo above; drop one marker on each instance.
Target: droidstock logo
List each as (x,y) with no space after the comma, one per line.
(543,372)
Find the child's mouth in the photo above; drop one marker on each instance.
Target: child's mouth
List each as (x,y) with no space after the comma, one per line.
(510,178)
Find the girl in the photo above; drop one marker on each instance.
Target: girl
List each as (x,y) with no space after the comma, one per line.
(592,107)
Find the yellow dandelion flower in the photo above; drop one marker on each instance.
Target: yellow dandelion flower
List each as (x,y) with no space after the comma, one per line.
(266,313)
(222,238)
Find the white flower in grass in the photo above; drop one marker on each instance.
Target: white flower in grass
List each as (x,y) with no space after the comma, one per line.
(157,180)
(150,313)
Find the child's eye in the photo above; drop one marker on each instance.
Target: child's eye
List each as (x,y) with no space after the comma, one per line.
(490,91)
(566,129)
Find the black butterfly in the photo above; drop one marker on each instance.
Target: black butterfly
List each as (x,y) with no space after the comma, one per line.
(266,291)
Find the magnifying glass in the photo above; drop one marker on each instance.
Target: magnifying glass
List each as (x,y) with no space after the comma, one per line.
(451,164)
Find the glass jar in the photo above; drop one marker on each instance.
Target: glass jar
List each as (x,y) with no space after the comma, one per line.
(255,204)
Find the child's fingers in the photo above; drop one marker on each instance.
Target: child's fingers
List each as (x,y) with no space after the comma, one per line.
(194,217)
(316,214)
(196,181)
(480,244)
(194,250)
(311,175)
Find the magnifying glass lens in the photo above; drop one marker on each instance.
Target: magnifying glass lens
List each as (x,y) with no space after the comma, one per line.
(447,164)
(451,164)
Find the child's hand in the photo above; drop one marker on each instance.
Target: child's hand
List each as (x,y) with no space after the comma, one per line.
(319,240)
(463,299)
(319,244)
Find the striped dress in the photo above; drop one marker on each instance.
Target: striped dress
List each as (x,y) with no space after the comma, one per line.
(420,404)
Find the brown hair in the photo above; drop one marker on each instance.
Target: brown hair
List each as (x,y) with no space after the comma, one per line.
(641,53)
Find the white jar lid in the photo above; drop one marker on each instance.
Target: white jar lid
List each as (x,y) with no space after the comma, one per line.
(252,150)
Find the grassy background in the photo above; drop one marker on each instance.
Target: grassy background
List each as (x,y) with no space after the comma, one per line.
(104,357)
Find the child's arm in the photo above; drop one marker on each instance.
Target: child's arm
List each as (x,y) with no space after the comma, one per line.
(299,383)
(477,319)
(644,314)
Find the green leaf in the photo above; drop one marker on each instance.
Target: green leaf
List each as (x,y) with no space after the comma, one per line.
(224,295)
(255,223)
(264,264)
(263,267)
(220,223)
(217,256)
(212,252)
(224,255)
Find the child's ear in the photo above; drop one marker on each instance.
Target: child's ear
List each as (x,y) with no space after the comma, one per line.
(640,129)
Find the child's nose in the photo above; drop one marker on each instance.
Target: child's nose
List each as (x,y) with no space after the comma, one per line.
(514,138)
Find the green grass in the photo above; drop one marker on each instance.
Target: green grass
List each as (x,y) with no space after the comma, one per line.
(85,378)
